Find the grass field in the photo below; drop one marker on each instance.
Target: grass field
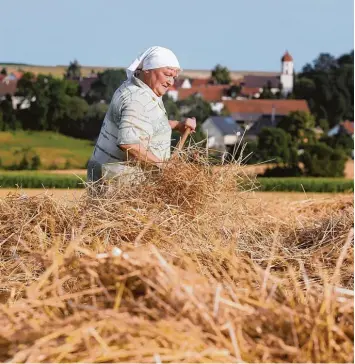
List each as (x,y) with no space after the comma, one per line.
(52,148)
(56,71)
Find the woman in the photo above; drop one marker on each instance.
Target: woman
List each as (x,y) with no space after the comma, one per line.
(136,125)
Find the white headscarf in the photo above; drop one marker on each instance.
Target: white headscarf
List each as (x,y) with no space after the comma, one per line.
(153,57)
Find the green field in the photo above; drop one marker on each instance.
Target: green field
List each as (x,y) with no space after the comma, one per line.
(33,179)
(55,150)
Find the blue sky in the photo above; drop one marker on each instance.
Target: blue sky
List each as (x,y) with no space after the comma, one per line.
(239,34)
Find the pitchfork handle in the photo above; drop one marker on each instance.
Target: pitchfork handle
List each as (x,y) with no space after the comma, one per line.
(183,139)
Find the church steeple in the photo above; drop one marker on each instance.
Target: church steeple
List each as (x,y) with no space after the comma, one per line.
(286,77)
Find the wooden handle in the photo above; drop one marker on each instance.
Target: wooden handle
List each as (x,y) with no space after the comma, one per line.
(182,141)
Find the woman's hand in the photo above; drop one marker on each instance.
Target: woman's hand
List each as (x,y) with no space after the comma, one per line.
(190,123)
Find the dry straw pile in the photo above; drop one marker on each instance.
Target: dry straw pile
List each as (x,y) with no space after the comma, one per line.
(185,267)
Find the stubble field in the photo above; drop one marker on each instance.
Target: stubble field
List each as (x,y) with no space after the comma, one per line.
(185,268)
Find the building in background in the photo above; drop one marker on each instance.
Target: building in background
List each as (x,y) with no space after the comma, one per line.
(222,132)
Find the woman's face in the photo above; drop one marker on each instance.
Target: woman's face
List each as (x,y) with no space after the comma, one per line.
(160,79)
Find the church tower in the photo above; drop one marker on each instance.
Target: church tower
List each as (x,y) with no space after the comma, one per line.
(286,77)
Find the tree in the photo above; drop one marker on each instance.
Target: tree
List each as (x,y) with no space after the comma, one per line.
(267,92)
(234,91)
(106,85)
(195,106)
(221,75)
(341,141)
(325,63)
(48,98)
(328,87)
(3,71)
(171,108)
(304,88)
(72,121)
(73,71)
(275,144)
(9,120)
(320,160)
(299,125)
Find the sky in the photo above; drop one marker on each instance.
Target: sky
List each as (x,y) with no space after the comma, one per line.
(238,34)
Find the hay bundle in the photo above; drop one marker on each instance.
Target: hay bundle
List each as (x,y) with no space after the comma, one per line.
(138,306)
(139,275)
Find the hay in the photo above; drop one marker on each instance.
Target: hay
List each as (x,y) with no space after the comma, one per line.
(185,267)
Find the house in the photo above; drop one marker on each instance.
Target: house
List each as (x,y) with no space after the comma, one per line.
(7,87)
(346,126)
(255,114)
(210,93)
(13,76)
(222,132)
(85,85)
(198,82)
(180,84)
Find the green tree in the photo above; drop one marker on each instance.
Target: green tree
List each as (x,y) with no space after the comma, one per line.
(48,98)
(299,125)
(9,120)
(325,62)
(341,141)
(267,92)
(72,121)
(328,87)
(234,91)
(35,162)
(3,71)
(73,71)
(320,160)
(275,144)
(106,85)
(171,108)
(221,75)
(195,106)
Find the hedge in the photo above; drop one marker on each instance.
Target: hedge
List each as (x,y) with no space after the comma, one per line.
(297,184)
(308,184)
(39,180)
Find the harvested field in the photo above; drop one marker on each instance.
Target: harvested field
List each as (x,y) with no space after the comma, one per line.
(175,271)
(72,194)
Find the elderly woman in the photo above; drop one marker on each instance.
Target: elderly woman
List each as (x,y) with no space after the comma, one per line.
(136,125)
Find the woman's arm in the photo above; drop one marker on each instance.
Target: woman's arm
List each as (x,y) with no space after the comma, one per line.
(182,125)
(141,154)
(177,125)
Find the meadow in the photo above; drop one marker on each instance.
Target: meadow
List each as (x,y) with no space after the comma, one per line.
(56,151)
(187,266)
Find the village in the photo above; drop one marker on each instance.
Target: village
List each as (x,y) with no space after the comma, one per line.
(241,106)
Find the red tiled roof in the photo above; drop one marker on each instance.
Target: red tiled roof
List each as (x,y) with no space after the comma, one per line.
(287,57)
(8,87)
(256,106)
(200,82)
(249,91)
(348,126)
(209,93)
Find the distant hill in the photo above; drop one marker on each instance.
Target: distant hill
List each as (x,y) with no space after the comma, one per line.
(53,149)
(59,71)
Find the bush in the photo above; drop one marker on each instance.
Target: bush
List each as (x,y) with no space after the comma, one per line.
(322,161)
(35,162)
(280,171)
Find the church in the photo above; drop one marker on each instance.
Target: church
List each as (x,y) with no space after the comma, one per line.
(250,83)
